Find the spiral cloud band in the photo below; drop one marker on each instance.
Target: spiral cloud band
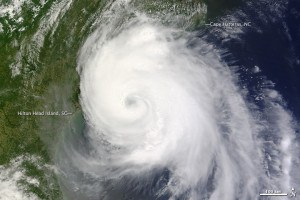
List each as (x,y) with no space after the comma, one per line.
(157,107)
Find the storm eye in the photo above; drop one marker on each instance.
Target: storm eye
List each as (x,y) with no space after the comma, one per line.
(131,102)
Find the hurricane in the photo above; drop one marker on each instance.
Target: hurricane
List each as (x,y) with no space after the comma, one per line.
(164,117)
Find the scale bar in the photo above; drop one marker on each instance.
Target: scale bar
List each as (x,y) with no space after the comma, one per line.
(281,194)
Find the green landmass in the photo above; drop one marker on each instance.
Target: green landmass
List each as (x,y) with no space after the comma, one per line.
(47,82)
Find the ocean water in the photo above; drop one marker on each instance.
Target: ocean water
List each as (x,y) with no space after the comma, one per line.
(176,114)
(163,105)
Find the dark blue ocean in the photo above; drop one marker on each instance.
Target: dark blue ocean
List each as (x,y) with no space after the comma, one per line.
(272,43)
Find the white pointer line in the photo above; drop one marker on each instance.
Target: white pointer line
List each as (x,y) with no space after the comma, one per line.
(281,194)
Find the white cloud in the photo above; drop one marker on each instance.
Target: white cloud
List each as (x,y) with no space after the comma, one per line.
(10,188)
